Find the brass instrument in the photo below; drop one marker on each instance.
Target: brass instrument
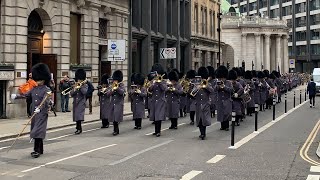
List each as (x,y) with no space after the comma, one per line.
(170,86)
(76,86)
(135,89)
(159,78)
(203,84)
(246,96)
(115,85)
(185,83)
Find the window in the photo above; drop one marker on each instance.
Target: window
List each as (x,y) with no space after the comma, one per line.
(243,8)
(315,34)
(263,3)
(301,50)
(253,6)
(169,17)
(290,51)
(287,10)
(211,23)
(290,37)
(289,23)
(75,29)
(301,36)
(214,24)
(182,19)
(274,2)
(205,21)
(315,49)
(301,21)
(136,13)
(234,2)
(315,4)
(315,19)
(274,13)
(154,16)
(300,8)
(103,25)
(202,20)
(196,18)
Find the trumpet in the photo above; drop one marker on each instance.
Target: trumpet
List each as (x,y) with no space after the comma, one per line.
(115,85)
(135,89)
(159,78)
(170,86)
(77,86)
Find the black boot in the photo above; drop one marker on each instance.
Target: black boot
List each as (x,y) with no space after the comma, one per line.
(115,128)
(181,112)
(105,123)
(79,128)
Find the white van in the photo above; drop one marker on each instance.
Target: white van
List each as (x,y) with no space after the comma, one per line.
(316,78)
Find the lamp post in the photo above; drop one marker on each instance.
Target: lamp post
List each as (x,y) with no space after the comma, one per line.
(219,33)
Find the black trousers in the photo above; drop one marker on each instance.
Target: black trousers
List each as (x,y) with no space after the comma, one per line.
(174,122)
(312,99)
(181,113)
(105,122)
(202,128)
(225,125)
(78,125)
(116,127)
(192,114)
(38,145)
(29,101)
(138,122)
(157,127)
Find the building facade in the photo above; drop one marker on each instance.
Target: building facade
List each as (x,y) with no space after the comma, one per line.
(259,42)
(160,24)
(65,34)
(204,35)
(303,18)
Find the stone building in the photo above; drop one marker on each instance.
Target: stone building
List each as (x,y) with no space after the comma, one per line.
(261,43)
(65,34)
(204,35)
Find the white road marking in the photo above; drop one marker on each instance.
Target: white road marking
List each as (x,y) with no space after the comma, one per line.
(70,157)
(140,152)
(313,177)
(71,134)
(263,128)
(216,159)
(165,129)
(191,175)
(315,169)
(6,147)
(197,130)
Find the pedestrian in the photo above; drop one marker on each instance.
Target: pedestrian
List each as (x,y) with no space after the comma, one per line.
(104,100)
(224,90)
(173,94)
(158,89)
(63,85)
(41,75)
(79,93)
(118,93)
(203,111)
(312,91)
(137,96)
(89,95)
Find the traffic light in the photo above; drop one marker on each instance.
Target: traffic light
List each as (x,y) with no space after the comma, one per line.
(219,19)
(228,65)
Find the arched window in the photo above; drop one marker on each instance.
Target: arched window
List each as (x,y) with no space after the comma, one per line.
(35,22)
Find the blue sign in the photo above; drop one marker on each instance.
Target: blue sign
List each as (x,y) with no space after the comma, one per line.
(113,46)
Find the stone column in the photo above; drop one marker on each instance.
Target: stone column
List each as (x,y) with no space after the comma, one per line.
(257,65)
(267,52)
(244,47)
(285,54)
(278,52)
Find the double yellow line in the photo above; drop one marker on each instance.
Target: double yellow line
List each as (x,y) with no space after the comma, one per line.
(305,148)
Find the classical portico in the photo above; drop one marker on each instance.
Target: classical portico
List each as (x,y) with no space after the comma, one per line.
(261,43)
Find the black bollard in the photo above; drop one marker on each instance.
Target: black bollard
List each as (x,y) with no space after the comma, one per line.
(285,103)
(305,95)
(294,99)
(232,128)
(274,109)
(256,109)
(300,97)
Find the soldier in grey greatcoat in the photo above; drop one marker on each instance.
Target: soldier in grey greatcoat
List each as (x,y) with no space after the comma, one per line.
(137,95)
(148,98)
(213,96)
(104,101)
(237,92)
(79,99)
(203,112)
(183,99)
(252,87)
(191,103)
(173,94)
(224,91)
(263,90)
(40,74)
(158,98)
(278,84)
(117,93)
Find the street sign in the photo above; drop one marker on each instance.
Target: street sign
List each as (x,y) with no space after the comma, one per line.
(292,63)
(168,53)
(116,50)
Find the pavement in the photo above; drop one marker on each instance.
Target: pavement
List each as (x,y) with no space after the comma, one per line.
(281,149)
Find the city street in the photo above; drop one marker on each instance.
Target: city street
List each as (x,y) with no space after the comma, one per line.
(272,153)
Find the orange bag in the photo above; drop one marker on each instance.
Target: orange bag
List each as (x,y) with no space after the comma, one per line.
(30,84)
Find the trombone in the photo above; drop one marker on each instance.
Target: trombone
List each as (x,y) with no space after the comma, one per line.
(203,84)
(76,87)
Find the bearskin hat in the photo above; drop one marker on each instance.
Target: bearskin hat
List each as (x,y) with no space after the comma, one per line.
(266,73)
(276,73)
(173,76)
(232,75)
(211,72)
(237,70)
(150,77)
(176,70)
(191,74)
(104,79)
(242,71)
(181,74)
(133,76)
(158,67)
(222,72)
(139,79)
(272,76)
(41,72)
(117,75)
(248,75)
(80,75)
(203,72)
(261,75)
(254,73)
(165,75)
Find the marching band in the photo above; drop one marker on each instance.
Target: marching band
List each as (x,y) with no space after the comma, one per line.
(203,94)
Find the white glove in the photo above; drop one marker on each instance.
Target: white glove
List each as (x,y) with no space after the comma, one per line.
(235,95)
(13,96)
(37,110)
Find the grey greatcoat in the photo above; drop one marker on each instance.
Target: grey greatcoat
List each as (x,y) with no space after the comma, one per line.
(243,84)
(252,86)
(191,101)
(173,101)
(117,103)
(183,100)
(39,121)
(213,95)
(264,92)
(158,101)
(237,104)
(203,112)
(138,102)
(257,91)
(104,105)
(224,102)
(79,102)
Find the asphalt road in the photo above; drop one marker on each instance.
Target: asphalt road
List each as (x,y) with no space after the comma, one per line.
(273,153)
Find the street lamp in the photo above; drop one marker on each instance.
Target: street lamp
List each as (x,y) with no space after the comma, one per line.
(219,32)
